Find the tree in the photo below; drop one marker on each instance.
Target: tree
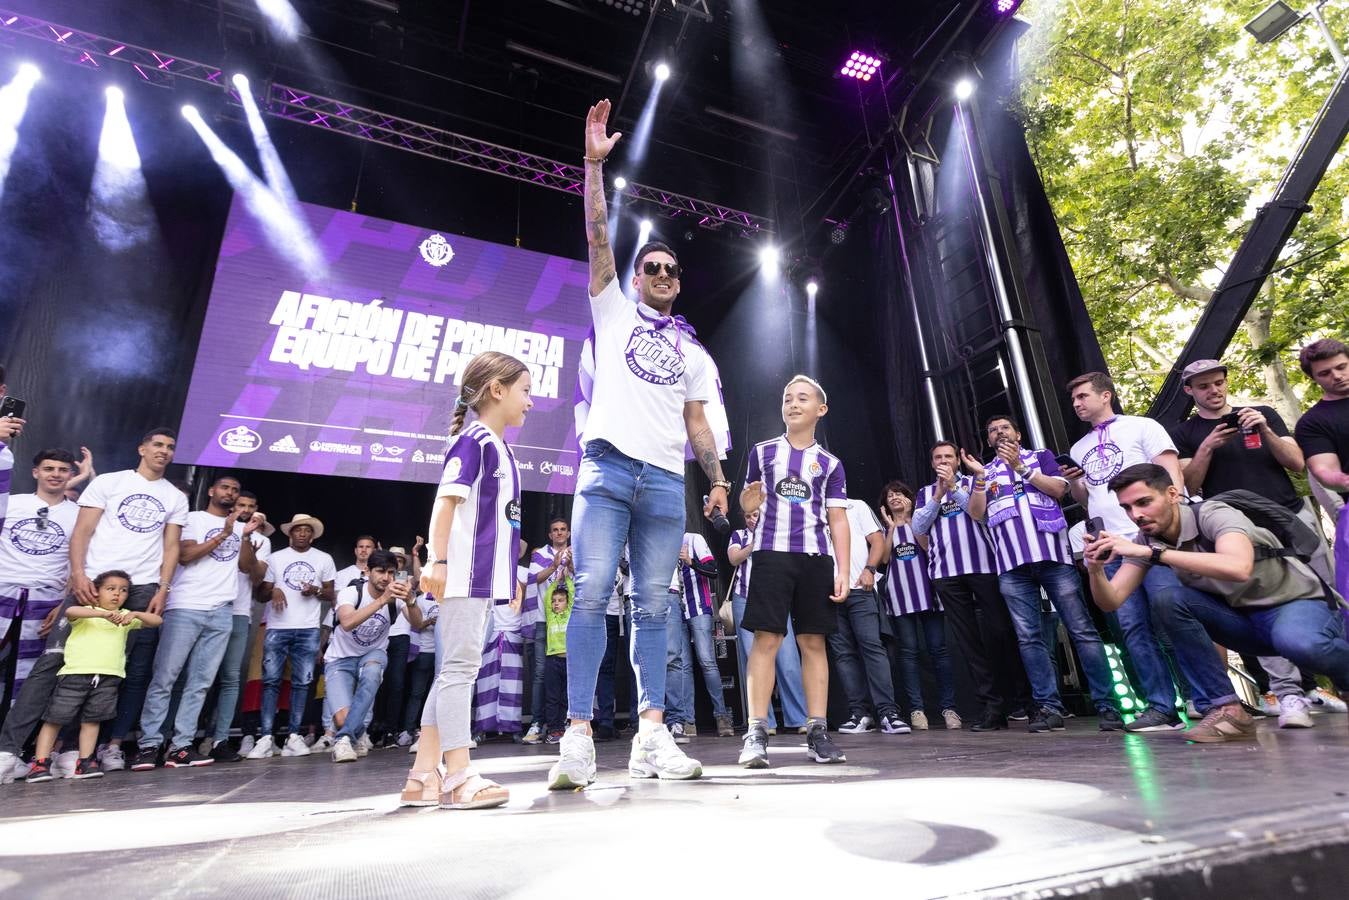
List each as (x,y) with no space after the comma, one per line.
(1159,127)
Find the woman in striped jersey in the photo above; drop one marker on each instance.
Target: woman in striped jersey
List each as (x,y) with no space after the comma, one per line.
(475,542)
(914,607)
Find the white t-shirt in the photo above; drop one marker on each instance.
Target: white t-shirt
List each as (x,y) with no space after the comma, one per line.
(372,634)
(130,534)
(211,581)
(646,369)
(861,522)
(288,570)
(346,576)
(1107,450)
(243,598)
(426,638)
(35,550)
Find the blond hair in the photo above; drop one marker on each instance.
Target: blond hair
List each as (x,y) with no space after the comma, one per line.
(480,374)
(806,379)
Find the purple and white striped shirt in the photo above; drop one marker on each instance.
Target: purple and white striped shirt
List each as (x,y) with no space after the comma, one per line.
(1011,507)
(542,559)
(695,587)
(800,486)
(485,537)
(740,580)
(6,472)
(907,586)
(957,544)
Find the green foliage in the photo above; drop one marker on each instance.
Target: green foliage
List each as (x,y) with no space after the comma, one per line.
(1159,127)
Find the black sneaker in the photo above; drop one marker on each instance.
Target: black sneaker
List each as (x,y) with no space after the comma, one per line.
(991,721)
(1045,720)
(754,752)
(1020,714)
(1110,719)
(820,748)
(40,770)
(88,768)
(146,758)
(185,757)
(604,732)
(225,752)
(1152,719)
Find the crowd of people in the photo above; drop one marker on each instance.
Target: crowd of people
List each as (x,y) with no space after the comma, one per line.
(130,616)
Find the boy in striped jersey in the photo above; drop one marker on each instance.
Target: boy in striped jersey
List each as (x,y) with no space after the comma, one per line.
(795,577)
(960,561)
(1018,496)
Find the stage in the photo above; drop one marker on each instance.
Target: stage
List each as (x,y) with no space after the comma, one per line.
(923,815)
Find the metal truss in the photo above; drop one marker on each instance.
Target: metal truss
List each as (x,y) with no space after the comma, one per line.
(297,105)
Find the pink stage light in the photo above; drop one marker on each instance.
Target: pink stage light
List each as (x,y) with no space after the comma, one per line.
(860,65)
(1003,7)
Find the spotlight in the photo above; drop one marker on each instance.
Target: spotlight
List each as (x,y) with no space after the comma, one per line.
(620,182)
(964,89)
(812,288)
(662,71)
(860,66)
(114,93)
(29,72)
(768,258)
(190,112)
(644,228)
(240,81)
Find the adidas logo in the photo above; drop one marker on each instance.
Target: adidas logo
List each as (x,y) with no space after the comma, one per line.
(285,445)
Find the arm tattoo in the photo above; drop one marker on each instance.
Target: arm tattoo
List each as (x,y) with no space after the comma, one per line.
(597,229)
(705,449)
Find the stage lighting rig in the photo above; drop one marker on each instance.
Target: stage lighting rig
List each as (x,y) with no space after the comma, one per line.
(1005,7)
(860,65)
(620,182)
(964,89)
(661,72)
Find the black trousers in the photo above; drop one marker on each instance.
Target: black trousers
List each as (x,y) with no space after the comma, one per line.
(983,633)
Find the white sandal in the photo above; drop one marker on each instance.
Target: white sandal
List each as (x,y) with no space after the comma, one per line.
(428,794)
(477,792)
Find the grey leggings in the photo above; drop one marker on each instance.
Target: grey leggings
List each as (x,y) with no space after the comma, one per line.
(449,706)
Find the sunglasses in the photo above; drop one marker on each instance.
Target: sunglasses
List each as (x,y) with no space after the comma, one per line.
(42,514)
(652,268)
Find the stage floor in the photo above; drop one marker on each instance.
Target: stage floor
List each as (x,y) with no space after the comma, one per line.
(924,815)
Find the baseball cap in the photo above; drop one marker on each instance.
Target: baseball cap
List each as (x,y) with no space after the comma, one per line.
(1200,367)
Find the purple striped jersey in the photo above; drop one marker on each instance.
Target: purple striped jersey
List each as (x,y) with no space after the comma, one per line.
(957,544)
(540,560)
(740,580)
(695,587)
(907,586)
(485,537)
(1015,538)
(799,486)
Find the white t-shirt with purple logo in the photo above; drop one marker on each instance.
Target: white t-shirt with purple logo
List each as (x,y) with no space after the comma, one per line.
(799,485)
(243,596)
(372,634)
(211,581)
(1107,450)
(485,537)
(35,544)
(646,369)
(289,570)
(130,534)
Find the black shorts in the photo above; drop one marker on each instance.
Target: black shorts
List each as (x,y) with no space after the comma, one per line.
(83,698)
(795,584)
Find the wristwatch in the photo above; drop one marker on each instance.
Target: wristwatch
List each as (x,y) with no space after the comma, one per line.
(871,569)
(1157,555)
(724,485)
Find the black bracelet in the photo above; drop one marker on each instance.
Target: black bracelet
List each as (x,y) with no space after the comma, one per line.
(439,562)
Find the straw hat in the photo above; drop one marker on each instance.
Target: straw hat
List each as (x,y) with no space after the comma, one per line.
(303,519)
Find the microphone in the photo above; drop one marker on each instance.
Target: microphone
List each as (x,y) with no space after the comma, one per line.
(718,520)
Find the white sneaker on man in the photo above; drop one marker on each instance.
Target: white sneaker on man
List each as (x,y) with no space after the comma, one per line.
(1323,700)
(575,766)
(264,748)
(295,746)
(857,725)
(364,745)
(7,767)
(63,764)
(343,751)
(324,743)
(246,744)
(1295,711)
(405,739)
(656,755)
(110,758)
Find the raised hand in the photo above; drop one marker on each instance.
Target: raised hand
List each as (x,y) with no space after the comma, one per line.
(598,141)
(753,497)
(972,463)
(887,520)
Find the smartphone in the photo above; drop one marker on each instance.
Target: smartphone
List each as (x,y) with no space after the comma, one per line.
(1095,525)
(12,407)
(1066,462)
(403,576)
(1231,420)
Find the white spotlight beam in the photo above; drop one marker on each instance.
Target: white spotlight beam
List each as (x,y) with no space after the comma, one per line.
(120,213)
(13,106)
(272,169)
(288,233)
(282,19)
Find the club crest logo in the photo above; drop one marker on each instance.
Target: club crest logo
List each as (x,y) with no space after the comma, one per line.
(652,358)
(1103,462)
(298,574)
(228,549)
(815,469)
(141,513)
(436,251)
(372,630)
(28,537)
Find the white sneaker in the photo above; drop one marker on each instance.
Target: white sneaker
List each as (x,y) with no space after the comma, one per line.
(364,745)
(918,720)
(952,718)
(246,744)
(343,751)
(264,748)
(575,766)
(656,755)
(20,770)
(295,746)
(7,761)
(110,758)
(1295,711)
(63,764)
(416,745)
(534,735)
(1323,700)
(325,743)
(404,739)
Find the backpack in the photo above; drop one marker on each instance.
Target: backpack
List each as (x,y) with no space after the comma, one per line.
(1298,539)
